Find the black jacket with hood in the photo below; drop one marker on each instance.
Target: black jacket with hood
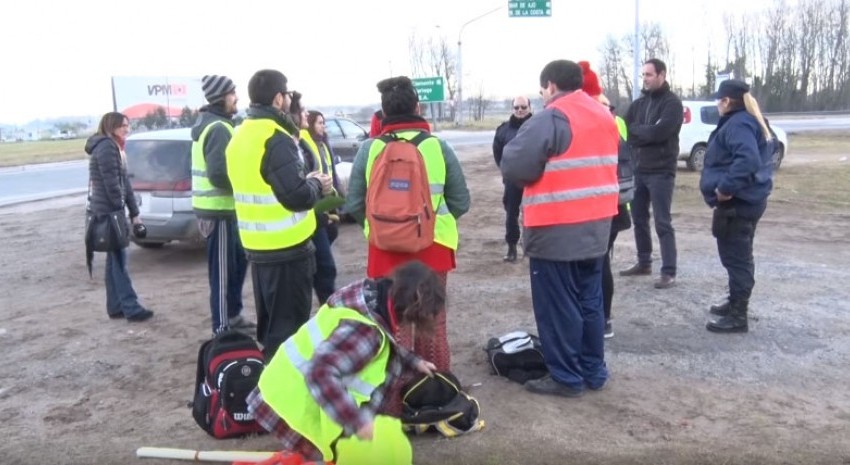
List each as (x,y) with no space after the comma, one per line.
(654,121)
(109,187)
(283,169)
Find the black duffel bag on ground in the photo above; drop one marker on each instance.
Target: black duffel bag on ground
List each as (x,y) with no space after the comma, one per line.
(517,356)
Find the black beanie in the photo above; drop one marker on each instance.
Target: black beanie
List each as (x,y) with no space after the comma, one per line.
(216,87)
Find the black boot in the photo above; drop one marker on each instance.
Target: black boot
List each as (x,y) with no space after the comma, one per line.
(511,255)
(721,309)
(734,322)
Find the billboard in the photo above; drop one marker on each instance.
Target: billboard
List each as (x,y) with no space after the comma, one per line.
(136,96)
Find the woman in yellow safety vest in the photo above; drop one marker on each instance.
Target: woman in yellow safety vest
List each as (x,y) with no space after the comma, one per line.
(330,379)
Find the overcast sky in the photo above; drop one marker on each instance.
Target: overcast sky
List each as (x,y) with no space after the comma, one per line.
(58,56)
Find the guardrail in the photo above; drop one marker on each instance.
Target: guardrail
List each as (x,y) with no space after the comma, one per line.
(810,113)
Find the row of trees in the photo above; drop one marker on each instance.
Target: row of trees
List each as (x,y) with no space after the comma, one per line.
(796,57)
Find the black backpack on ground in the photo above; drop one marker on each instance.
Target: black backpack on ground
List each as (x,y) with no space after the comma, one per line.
(229,368)
(517,356)
(439,404)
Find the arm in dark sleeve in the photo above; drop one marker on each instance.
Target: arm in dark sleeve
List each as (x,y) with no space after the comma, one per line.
(498,146)
(216,142)
(282,170)
(130,198)
(456,193)
(742,142)
(525,156)
(355,199)
(109,163)
(659,131)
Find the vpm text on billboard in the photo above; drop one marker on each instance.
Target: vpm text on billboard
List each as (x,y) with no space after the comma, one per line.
(136,96)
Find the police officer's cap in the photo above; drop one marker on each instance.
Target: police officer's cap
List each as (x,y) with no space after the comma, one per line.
(732,88)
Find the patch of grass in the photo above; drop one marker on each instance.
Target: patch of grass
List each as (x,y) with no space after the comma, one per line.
(44,151)
(817,188)
(819,142)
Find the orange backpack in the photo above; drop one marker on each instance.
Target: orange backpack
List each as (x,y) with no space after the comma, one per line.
(398,199)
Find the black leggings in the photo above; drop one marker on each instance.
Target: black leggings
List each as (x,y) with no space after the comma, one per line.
(607,276)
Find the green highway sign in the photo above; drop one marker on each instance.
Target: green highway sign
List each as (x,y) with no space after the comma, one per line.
(429,89)
(529,8)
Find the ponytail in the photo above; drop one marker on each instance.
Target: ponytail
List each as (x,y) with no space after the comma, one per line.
(753,108)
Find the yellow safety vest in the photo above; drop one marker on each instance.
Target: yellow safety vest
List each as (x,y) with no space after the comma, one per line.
(314,149)
(264,224)
(284,388)
(205,196)
(621,127)
(445,231)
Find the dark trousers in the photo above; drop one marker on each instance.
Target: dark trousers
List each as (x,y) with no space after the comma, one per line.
(567,301)
(121,298)
(283,297)
(227,268)
(324,281)
(735,247)
(656,190)
(512,199)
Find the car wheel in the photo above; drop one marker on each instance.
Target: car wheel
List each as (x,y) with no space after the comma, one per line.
(778,155)
(150,245)
(697,159)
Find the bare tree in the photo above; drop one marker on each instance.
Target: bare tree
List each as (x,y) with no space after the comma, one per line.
(434,57)
(612,71)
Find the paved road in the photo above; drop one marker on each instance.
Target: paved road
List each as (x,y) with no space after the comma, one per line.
(35,182)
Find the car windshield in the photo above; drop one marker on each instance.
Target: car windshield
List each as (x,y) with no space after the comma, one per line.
(158,161)
(710,115)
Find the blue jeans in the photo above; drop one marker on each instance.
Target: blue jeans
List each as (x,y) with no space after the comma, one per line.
(227,268)
(324,281)
(120,296)
(655,189)
(567,301)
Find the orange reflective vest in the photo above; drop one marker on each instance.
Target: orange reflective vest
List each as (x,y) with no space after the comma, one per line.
(579,185)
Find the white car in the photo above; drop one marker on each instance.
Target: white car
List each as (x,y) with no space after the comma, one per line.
(699,119)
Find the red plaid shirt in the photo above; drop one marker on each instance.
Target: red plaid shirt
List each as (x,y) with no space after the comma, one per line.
(348,349)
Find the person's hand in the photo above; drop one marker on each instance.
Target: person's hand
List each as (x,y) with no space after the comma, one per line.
(426,367)
(366,431)
(333,218)
(721,197)
(136,220)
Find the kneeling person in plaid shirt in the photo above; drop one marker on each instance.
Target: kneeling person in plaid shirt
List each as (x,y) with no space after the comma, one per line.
(329,380)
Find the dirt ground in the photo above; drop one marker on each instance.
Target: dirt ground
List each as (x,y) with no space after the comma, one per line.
(78,388)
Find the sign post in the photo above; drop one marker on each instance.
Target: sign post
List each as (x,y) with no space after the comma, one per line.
(529,8)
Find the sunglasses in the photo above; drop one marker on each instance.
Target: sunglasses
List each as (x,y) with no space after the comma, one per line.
(521,107)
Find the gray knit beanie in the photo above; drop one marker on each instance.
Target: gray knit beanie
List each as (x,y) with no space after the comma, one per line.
(216,87)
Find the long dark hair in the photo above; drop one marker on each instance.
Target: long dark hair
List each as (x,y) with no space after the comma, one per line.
(110,122)
(312,117)
(418,295)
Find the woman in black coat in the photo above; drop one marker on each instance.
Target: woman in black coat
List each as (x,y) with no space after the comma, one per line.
(110,191)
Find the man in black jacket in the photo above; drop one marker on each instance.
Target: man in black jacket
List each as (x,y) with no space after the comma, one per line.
(653,122)
(512,197)
(274,209)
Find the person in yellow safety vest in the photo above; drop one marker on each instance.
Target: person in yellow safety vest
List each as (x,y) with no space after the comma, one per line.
(324,281)
(449,195)
(566,158)
(212,201)
(622,220)
(274,197)
(330,380)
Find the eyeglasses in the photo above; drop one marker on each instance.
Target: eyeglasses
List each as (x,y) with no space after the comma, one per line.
(520,107)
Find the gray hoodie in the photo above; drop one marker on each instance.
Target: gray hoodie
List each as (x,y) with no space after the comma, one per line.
(545,135)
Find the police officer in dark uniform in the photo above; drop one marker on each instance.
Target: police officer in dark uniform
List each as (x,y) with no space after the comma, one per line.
(735,182)
(512,197)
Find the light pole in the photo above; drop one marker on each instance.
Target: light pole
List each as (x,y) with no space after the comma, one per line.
(459,70)
(636,50)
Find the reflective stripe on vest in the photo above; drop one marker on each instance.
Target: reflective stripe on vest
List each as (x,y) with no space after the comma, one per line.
(264,224)
(283,386)
(205,196)
(579,185)
(314,150)
(445,232)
